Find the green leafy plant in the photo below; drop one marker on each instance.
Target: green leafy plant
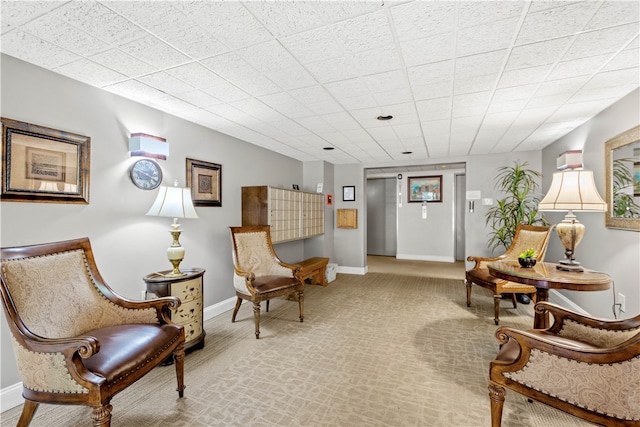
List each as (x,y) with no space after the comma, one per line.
(529,253)
(624,205)
(520,206)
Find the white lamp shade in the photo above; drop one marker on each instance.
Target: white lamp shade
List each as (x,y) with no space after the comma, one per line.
(573,190)
(174,202)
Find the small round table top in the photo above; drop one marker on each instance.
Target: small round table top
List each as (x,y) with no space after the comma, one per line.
(546,275)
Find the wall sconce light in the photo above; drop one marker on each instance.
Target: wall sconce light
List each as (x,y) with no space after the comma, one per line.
(569,160)
(141,144)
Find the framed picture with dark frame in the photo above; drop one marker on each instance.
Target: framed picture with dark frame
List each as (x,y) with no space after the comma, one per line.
(40,164)
(425,188)
(205,181)
(349,193)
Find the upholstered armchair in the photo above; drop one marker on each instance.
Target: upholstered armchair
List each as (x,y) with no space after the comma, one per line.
(526,236)
(259,275)
(75,340)
(584,366)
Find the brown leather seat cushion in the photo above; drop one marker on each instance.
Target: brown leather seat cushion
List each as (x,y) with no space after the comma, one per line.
(265,284)
(124,348)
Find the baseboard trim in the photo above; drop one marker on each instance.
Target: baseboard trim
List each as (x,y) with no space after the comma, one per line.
(434,258)
(11,396)
(218,308)
(352,270)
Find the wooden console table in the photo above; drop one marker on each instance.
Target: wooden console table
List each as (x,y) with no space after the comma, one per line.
(313,268)
(545,276)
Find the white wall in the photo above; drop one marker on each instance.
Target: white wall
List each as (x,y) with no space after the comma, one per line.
(612,251)
(127,244)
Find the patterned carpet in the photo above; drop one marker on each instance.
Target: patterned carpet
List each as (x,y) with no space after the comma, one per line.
(374,350)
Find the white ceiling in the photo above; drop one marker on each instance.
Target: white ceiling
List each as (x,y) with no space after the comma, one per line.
(459,77)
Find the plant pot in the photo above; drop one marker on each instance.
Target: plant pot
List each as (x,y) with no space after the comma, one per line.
(527,262)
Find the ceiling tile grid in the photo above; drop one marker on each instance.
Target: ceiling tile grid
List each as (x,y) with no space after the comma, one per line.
(458,77)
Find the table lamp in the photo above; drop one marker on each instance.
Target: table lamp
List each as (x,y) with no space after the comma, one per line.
(572,190)
(174,202)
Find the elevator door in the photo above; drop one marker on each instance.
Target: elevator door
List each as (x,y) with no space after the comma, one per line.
(381,217)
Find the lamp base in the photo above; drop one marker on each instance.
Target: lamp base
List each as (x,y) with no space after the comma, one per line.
(569,265)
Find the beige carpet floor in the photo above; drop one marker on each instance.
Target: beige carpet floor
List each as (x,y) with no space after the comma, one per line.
(374,350)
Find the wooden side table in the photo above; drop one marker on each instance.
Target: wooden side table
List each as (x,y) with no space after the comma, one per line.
(313,268)
(545,276)
(189,289)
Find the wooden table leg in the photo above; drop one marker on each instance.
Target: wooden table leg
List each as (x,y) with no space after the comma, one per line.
(541,320)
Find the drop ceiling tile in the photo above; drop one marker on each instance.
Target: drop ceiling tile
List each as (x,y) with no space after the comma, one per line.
(283,18)
(578,67)
(480,65)
(290,127)
(198,97)
(364,33)
(536,54)
(123,63)
(17,13)
(258,86)
(608,40)
(357,136)
(101,22)
(613,79)
(28,48)
(311,94)
(395,96)
(555,100)
(427,50)
(230,66)
(431,73)
(230,22)
(196,75)
(580,110)
(534,116)
(474,84)
(568,85)
(407,131)
(135,90)
(626,59)
(171,104)
(268,57)
(524,76)
(434,109)
(332,70)
(315,124)
(507,106)
(475,13)
(66,36)
(233,114)
(421,19)
(341,121)
(358,102)
(602,93)
(325,107)
(257,109)
(292,78)
(89,72)
(190,39)
(557,22)
(513,93)
(486,37)
(337,11)
(165,82)
(378,61)
(613,13)
(431,91)
(154,52)
(286,104)
(313,45)
(226,92)
(499,121)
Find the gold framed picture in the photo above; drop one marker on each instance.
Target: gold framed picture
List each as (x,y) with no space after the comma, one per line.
(425,188)
(40,164)
(205,181)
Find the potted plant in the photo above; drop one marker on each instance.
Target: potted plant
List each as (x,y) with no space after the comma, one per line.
(519,206)
(527,259)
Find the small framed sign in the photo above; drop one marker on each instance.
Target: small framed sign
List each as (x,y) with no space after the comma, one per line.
(349,193)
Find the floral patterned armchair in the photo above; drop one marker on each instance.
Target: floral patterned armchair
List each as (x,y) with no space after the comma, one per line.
(75,340)
(584,366)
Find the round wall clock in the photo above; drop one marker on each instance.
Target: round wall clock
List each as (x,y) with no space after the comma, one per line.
(146,174)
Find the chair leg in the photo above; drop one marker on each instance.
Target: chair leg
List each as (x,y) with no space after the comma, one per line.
(178,357)
(235,310)
(28,411)
(267,306)
(256,317)
(301,304)
(496,395)
(101,415)
(513,299)
(468,293)
(496,308)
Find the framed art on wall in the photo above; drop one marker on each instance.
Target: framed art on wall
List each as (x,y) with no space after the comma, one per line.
(425,188)
(349,193)
(40,164)
(205,181)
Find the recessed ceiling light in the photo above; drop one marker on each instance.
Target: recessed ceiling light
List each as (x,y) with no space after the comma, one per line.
(328,148)
(407,152)
(384,117)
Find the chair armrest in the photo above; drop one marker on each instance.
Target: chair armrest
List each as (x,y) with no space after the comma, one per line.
(561,314)
(86,346)
(479,260)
